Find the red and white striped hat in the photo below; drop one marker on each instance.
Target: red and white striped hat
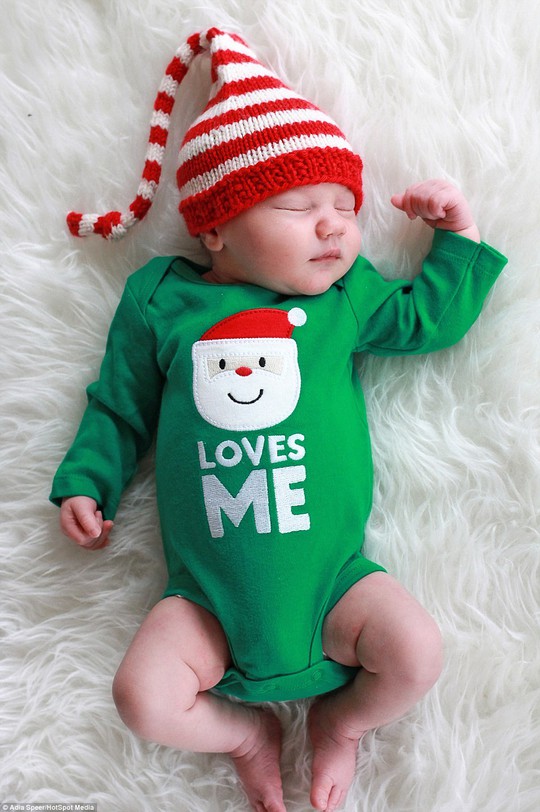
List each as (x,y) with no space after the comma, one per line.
(255,138)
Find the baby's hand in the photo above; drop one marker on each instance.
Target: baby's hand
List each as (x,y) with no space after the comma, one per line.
(83,523)
(440,205)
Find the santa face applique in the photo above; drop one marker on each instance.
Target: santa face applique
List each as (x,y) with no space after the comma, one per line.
(245,369)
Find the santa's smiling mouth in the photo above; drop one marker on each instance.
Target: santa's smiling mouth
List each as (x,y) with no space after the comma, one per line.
(246,402)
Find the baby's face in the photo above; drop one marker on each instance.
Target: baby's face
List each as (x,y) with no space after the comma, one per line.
(298,242)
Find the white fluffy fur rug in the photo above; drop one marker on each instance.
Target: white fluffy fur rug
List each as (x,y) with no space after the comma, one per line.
(423,89)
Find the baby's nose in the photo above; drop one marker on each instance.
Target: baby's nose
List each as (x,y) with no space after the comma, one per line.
(243,371)
(330,226)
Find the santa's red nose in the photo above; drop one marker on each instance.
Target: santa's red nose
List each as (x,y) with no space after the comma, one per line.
(243,371)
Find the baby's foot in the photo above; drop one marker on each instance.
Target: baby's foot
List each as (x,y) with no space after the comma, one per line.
(334,761)
(257,764)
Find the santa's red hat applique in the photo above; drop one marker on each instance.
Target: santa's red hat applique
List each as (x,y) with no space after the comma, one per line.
(261,323)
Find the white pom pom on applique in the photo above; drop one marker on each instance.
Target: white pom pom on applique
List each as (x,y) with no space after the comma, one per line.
(297,316)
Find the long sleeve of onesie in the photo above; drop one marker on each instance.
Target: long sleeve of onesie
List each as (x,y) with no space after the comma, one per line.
(119,422)
(431,312)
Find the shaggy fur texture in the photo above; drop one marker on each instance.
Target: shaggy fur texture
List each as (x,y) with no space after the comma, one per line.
(422,90)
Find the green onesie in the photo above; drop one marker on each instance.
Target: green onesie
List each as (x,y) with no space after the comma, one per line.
(263,460)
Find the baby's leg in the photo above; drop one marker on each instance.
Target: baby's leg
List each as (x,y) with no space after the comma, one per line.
(380,626)
(161,692)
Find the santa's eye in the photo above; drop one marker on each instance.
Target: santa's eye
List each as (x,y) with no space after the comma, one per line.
(222,363)
(262,362)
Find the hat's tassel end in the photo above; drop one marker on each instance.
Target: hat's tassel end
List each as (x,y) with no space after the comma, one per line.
(114,225)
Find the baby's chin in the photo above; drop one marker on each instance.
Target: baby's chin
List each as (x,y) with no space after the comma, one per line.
(317,284)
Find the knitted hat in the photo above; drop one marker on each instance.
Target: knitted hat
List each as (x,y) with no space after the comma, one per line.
(256,138)
(261,323)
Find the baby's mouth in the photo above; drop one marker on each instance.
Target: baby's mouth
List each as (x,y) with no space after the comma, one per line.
(333,253)
(246,402)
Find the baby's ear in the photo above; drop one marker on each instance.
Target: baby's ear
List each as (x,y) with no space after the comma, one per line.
(212,240)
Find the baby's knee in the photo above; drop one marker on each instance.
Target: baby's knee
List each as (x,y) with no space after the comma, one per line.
(420,655)
(144,702)
(131,703)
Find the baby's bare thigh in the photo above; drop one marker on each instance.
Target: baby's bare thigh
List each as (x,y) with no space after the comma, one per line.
(176,633)
(374,617)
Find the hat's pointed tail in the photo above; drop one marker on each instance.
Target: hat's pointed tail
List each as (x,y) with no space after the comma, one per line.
(115,224)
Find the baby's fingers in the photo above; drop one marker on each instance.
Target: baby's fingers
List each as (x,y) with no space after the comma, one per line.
(79,528)
(82,523)
(408,204)
(440,205)
(398,201)
(103,538)
(426,200)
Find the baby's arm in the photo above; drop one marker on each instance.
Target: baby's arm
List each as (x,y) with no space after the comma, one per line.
(440,205)
(83,523)
(118,424)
